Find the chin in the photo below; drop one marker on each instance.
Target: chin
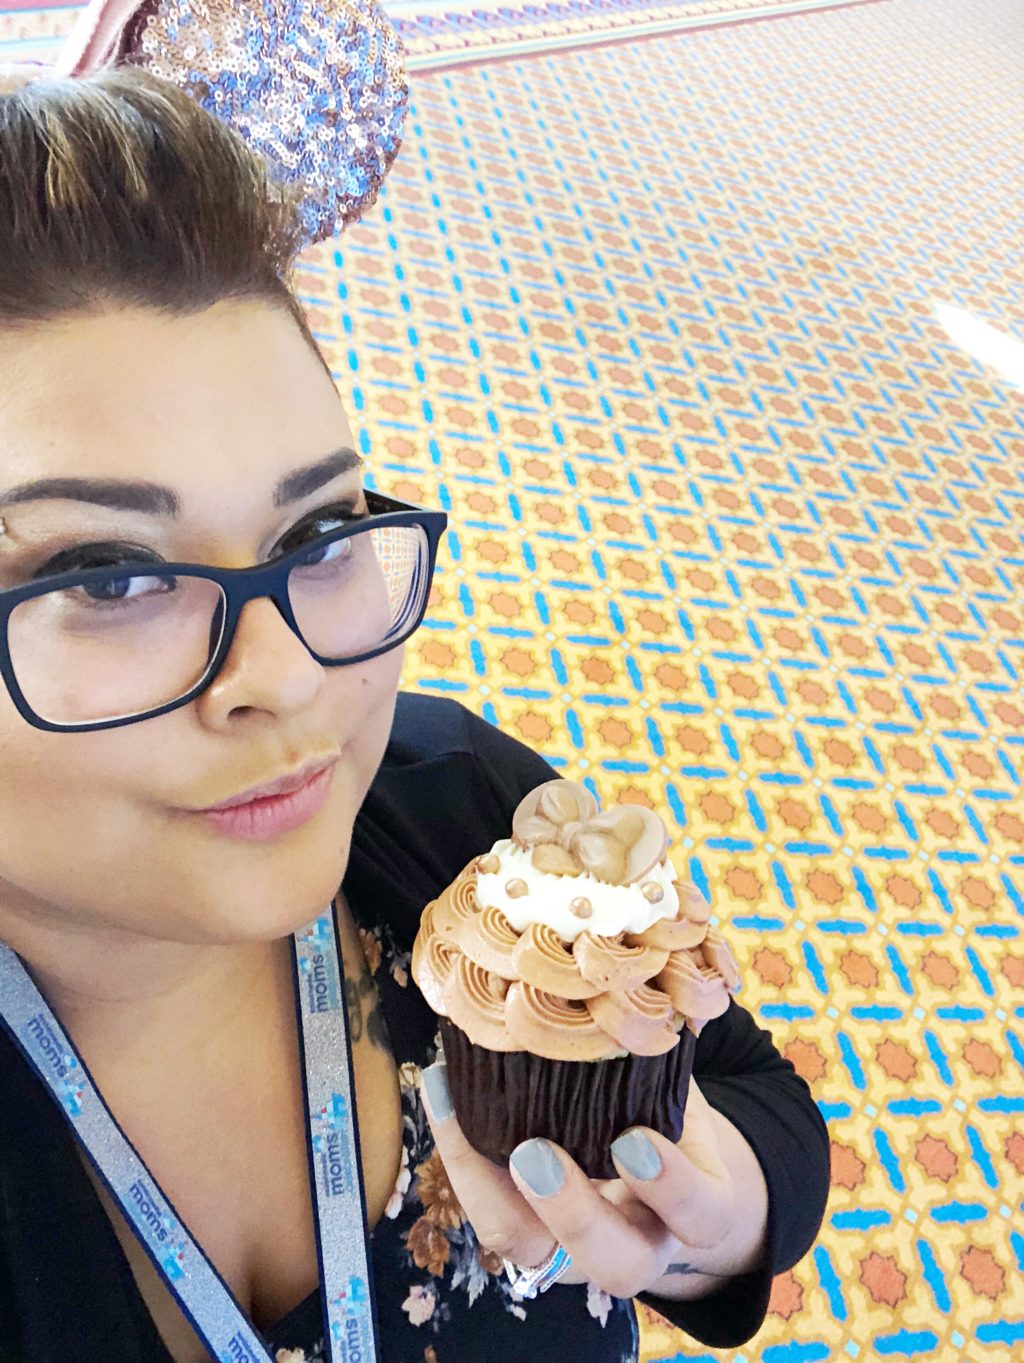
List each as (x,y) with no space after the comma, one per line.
(267,907)
(297,887)
(262,891)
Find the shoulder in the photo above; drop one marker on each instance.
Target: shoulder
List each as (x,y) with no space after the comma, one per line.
(428,727)
(438,731)
(446,789)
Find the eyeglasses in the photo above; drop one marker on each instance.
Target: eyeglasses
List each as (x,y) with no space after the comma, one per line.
(102,647)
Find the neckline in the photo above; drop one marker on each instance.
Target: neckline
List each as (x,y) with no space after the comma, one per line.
(273,1332)
(301,1308)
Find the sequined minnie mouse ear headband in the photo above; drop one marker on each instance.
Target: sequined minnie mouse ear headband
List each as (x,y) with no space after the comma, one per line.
(317,87)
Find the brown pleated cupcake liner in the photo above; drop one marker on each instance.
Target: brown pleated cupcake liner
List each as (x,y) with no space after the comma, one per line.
(504,1097)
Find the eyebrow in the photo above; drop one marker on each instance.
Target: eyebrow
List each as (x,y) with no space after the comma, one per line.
(153,499)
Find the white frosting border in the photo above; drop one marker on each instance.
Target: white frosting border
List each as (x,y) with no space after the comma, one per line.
(616,908)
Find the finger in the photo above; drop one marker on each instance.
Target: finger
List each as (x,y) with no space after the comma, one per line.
(502,1219)
(617,1252)
(688,1186)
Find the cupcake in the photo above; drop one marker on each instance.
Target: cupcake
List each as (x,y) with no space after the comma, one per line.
(571,972)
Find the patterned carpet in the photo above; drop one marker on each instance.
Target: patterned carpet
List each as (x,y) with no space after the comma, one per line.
(738,532)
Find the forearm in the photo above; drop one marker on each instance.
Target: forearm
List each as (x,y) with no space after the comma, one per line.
(697,1272)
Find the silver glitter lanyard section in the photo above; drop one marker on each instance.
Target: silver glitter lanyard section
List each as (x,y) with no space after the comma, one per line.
(332,1145)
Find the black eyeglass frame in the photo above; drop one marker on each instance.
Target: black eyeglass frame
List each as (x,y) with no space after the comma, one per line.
(239,586)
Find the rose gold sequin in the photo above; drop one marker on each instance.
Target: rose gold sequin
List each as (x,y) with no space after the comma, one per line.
(319,91)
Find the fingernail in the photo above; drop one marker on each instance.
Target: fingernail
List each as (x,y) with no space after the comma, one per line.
(435,1081)
(637,1155)
(538,1166)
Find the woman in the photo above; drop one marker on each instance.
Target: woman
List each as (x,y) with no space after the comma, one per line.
(164,402)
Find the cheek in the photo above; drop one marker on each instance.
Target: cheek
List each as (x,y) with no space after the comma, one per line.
(70,807)
(64,813)
(366,708)
(46,781)
(31,805)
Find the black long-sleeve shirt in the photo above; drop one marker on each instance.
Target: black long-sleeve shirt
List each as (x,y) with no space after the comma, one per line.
(445,792)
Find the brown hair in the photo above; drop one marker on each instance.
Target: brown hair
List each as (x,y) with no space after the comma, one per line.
(117,188)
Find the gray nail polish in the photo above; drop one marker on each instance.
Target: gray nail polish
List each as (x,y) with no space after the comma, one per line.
(537,1164)
(435,1081)
(637,1155)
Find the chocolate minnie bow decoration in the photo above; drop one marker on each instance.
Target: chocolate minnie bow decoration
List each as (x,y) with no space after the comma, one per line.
(560,822)
(317,87)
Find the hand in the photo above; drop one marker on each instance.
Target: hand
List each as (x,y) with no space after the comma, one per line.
(678,1221)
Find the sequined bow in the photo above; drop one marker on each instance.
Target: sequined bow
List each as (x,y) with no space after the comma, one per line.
(316,87)
(560,823)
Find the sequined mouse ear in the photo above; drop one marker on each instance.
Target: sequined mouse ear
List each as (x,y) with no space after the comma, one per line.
(317,87)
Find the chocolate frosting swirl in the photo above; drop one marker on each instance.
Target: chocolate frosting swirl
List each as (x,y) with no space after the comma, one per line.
(456,907)
(557,1029)
(475,1001)
(489,939)
(590,999)
(696,989)
(718,957)
(432,961)
(542,959)
(612,964)
(642,1020)
(688,929)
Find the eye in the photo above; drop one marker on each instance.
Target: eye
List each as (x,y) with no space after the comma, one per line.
(110,553)
(318,523)
(82,556)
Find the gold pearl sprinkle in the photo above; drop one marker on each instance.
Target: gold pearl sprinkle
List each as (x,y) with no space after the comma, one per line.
(582,907)
(652,892)
(488,864)
(515,889)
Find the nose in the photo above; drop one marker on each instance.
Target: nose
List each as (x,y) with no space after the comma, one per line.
(267,667)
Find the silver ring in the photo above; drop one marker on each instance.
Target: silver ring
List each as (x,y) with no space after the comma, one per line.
(528,1283)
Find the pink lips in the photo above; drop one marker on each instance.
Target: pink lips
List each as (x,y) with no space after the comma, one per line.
(284,786)
(263,819)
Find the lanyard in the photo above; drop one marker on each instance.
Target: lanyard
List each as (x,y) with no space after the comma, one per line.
(332,1146)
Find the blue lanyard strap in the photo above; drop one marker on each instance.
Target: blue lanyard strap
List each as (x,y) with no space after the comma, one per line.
(332,1145)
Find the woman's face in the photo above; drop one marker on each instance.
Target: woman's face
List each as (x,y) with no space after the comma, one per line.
(94,836)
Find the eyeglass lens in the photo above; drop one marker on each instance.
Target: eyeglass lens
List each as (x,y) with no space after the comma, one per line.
(128,644)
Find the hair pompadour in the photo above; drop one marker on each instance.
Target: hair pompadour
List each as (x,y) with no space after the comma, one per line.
(117,188)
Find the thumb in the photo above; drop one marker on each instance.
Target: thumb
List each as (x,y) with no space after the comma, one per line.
(701,1140)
